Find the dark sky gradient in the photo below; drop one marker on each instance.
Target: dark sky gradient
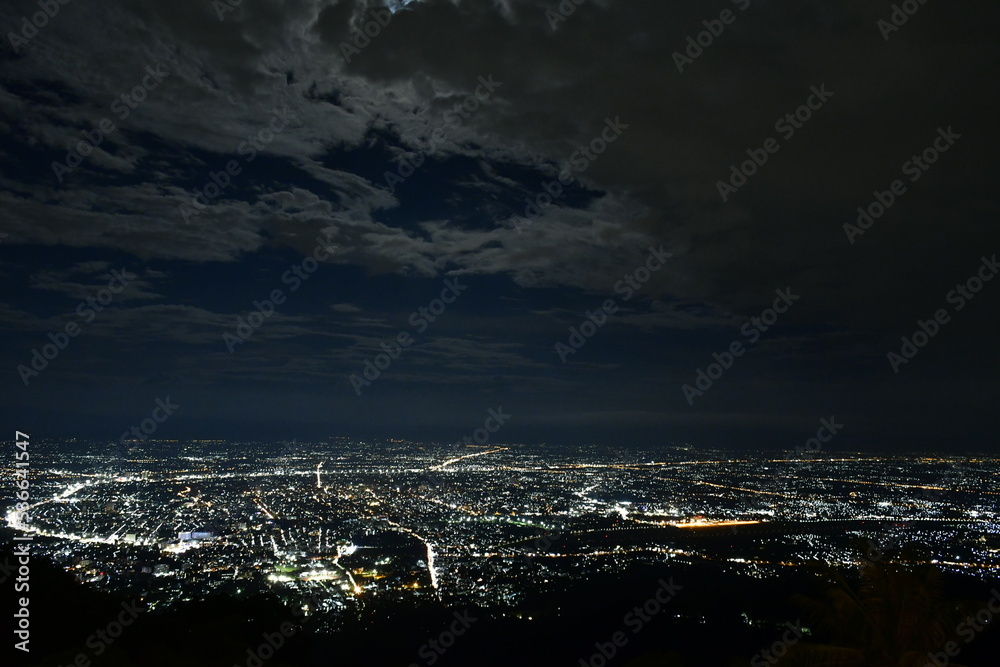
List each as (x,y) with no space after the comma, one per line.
(455,218)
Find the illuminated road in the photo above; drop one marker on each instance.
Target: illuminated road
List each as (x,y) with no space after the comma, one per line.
(467,456)
(264,509)
(430,547)
(731,488)
(430,550)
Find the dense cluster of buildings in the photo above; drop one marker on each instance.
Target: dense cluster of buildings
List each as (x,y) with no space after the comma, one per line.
(342,522)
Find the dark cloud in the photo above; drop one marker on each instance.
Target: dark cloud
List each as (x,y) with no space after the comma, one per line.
(467,177)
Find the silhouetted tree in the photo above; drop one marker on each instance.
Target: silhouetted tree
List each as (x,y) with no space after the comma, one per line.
(894,618)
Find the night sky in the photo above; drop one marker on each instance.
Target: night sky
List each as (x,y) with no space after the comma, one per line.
(527,163)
